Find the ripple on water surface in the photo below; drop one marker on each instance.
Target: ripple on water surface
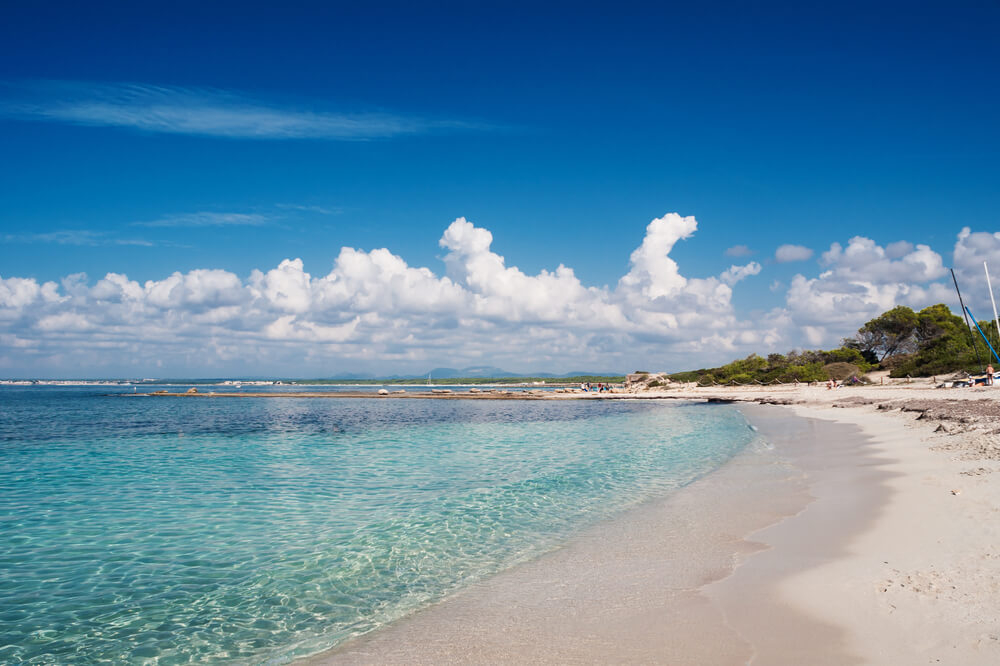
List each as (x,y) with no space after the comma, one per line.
(257,530)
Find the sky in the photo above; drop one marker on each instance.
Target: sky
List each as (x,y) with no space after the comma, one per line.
(320,189)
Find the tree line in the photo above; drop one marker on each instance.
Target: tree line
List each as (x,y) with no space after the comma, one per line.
(930,342)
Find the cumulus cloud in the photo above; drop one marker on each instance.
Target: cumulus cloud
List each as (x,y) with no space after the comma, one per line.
(859,282)
(863,259)
(372,305)
(738,251)
(862,279)
(972,250)
(653,272)
(788,253)
(373,310)
(898,249)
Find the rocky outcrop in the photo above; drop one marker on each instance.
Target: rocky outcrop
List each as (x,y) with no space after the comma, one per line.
(646,381)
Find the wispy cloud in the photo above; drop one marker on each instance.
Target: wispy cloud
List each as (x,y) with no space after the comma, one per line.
(207,219)
(75,237)
(302,208)
(205,112)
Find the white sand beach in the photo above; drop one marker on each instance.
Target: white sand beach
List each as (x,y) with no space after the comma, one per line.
(919,582)
(865,533)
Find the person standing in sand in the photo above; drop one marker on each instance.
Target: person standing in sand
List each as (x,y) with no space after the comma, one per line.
(989,375)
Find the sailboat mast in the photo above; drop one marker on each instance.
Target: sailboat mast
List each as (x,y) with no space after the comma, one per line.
(985,339)
(989,285)
(968,326)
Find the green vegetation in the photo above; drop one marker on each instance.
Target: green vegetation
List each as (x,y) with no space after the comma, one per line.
(802,366)
(888,334)
(930,342)
(593,379)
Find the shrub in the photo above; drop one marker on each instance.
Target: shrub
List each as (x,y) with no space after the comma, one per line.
(846,355)
(689,376)
(893,363)
(842,371)
(811,372)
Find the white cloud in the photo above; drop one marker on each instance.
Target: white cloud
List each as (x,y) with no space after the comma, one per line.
(287,288)
(861,281)
(653,272)
(372,306)
(204,112)
(972,250)
(16,293)
(738,251)
(863,259)
(788,253)
(198,289)
(898,249)
(736,273)
(374,311)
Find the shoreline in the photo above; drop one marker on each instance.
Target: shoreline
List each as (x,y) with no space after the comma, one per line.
(785,394)
(919,583)
(834,554)
(626,590)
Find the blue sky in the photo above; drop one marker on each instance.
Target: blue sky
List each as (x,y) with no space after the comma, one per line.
(144,141)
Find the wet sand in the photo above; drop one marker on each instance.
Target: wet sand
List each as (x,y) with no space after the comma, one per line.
(633,589)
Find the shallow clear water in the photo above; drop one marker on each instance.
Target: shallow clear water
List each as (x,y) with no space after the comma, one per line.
(256,530)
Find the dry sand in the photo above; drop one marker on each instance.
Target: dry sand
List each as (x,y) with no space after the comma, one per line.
(869,534)
(921,582)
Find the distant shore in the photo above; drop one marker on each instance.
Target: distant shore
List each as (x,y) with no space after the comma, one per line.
(438,394)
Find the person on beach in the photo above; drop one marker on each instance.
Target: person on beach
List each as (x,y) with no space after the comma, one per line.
(989,375)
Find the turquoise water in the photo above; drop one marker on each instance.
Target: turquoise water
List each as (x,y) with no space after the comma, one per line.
(258,530)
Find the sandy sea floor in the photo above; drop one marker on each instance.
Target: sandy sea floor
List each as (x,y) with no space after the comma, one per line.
(866,531)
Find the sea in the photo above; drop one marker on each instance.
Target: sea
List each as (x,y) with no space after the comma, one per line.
(163,530)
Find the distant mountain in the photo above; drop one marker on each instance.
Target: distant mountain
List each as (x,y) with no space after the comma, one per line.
(358,375)
(488,371)
(472,371)
(483,371)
